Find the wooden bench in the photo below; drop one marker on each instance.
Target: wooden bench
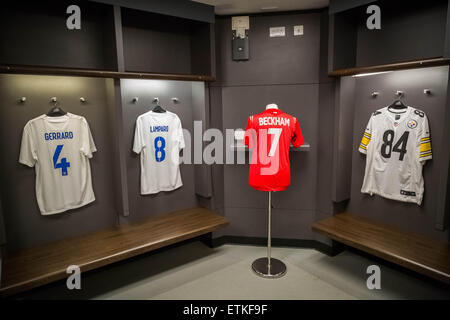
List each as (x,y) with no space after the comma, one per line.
(413,251)
(33,267)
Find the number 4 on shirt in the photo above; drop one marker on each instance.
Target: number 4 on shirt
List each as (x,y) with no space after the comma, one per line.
(63,164)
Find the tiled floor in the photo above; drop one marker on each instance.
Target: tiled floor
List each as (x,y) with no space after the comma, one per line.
(194,271)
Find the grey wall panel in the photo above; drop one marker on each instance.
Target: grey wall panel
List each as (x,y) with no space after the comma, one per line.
(301,194)
(443,196)
(252,222)
(344,41)
(212,37)
(215,112)
(343,138)
(155,43)
(201,46)
(145,206)
(2,228)
(40,28)
(342,5)
(114,105)
(283,60)
(447,34)
(405,215)
(285,71)
(408,32)
(325,148)
(199,113)
(25,226)
(118,39)
(179,8)
(238,193)
(323,61)
(300,101)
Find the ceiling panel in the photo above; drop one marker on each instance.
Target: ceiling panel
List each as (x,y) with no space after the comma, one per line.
(233,7)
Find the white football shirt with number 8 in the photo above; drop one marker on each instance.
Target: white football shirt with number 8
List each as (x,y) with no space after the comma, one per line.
(158,137)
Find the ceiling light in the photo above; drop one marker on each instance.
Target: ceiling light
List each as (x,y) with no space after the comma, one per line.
(269,8)
(369,74)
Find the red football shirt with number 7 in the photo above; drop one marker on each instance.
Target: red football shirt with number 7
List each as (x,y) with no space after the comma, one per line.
(269,135)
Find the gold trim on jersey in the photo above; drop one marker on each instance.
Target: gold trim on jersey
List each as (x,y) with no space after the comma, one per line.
(426,154)
(365,139)
(425,146)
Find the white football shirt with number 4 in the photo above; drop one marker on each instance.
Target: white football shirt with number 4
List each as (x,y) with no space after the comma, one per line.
(397,144)
(158,137)
(59,148)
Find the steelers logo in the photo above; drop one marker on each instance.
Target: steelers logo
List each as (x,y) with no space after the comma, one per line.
(412,124)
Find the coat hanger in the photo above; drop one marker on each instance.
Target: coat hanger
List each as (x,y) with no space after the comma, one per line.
(158,109)
(398,103)
(56,110)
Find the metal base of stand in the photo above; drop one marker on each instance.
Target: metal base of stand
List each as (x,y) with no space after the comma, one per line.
(261,268)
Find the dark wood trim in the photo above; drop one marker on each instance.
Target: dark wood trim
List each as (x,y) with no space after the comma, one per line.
(413,251)
(391,67)
(20,69)
(34,267)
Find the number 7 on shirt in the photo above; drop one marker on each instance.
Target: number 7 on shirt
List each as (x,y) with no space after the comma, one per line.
(276,139)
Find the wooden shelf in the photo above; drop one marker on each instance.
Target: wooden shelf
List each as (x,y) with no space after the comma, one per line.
(240,147)
(390,67)
(413,251)
(40,265)
(17,69)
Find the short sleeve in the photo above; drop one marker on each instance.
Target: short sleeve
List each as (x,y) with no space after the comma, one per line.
(138,143)
(249,133)
(367,136)
(28,155)
(180,136)
(424,143)
(297,139)
(87,142)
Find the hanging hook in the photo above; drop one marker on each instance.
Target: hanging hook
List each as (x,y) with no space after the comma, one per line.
(156,100)
(399,93)
(427,91)
(55,101)
(135,99)
(23,99)
(82,100)
(375,94)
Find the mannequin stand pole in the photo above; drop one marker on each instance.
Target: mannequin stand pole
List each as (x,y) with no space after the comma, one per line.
(269,267)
